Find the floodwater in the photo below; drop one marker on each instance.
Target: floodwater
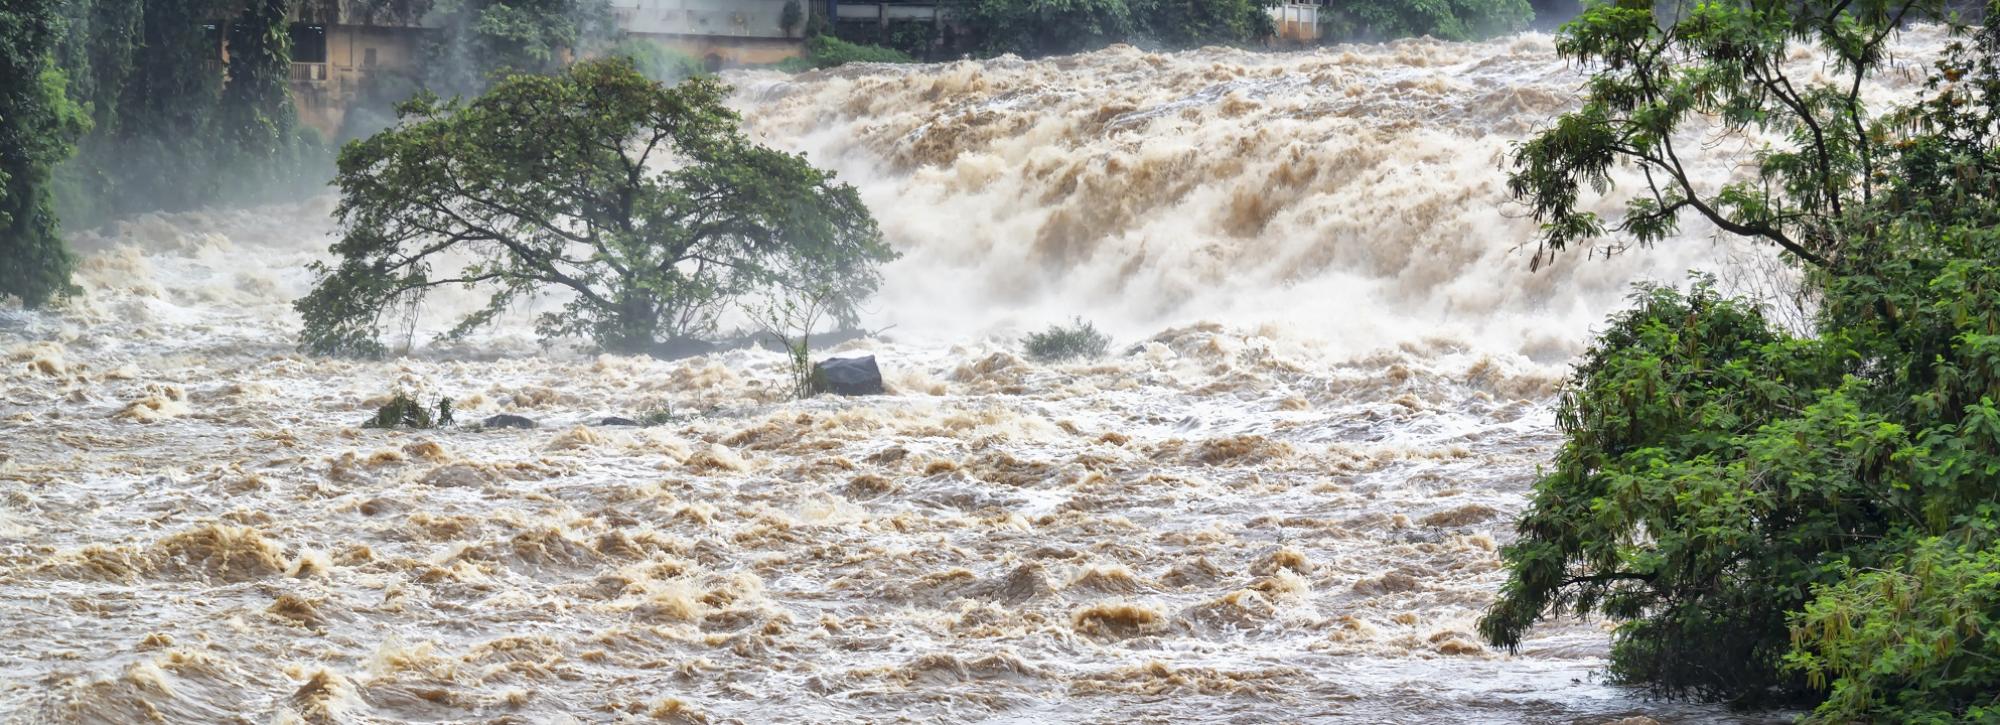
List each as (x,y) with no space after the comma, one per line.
(1279,499)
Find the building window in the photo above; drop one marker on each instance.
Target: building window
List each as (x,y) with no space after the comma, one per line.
(368,57)
(308,43)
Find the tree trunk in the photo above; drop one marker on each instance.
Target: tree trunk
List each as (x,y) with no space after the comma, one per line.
(634,325)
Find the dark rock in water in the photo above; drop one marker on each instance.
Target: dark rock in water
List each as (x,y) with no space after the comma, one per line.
(615,420)
(848,376)
(504,420)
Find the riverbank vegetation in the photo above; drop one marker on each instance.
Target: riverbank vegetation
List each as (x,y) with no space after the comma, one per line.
(38,124)
(116,106)
(1039,28)
(172,125)
(1775,518)
(826,51)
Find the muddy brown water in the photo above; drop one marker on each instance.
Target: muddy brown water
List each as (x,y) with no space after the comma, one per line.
(1278,500)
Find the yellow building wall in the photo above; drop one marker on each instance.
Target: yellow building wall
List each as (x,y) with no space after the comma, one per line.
(323,95)
(730,51)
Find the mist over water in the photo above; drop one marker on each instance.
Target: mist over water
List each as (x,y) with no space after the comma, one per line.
(1353,194)
(1278,500)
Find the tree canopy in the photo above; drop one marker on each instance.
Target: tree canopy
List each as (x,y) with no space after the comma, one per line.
(644,203)
(1034,28)
(1441,19)
(1721,64)
(483,40)
(1773,516)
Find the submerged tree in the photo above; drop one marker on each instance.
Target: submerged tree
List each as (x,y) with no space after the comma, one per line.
(38,123)
(644,203)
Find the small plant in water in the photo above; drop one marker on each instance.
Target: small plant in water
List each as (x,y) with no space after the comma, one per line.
(660,415)
(403,411)
(1058,343)
(790,317)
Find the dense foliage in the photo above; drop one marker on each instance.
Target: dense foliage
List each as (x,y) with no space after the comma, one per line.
(174,126)
(484,40)
(1035,28)
(37,126)
(1771,516)
(263,142)
(916,39)
(1442,19)
(644,203)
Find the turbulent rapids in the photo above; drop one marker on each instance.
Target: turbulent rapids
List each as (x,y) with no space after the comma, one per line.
(1278,500)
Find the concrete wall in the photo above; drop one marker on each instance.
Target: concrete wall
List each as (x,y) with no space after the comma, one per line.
(723,32)
(1297,22)
(720,53)
(708,18)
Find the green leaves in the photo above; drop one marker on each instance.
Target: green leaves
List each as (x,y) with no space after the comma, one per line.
(1774,517)
(1912,642)
(484,41)
(1442,19)
(643,204)
(1660,80)
(1035,28)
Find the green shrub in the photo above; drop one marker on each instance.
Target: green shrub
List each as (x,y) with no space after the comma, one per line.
(826,51)
(1653,506)
(1059,343)
(1762,512)
(403,411)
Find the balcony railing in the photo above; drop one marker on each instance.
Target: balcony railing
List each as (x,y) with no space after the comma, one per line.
(311,72)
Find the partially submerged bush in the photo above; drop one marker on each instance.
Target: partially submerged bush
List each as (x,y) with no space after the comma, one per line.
(403,411)
(659,415)
(1059,343)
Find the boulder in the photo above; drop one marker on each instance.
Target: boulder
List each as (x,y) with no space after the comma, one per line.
(615,420)
(505,420)
(848,376)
